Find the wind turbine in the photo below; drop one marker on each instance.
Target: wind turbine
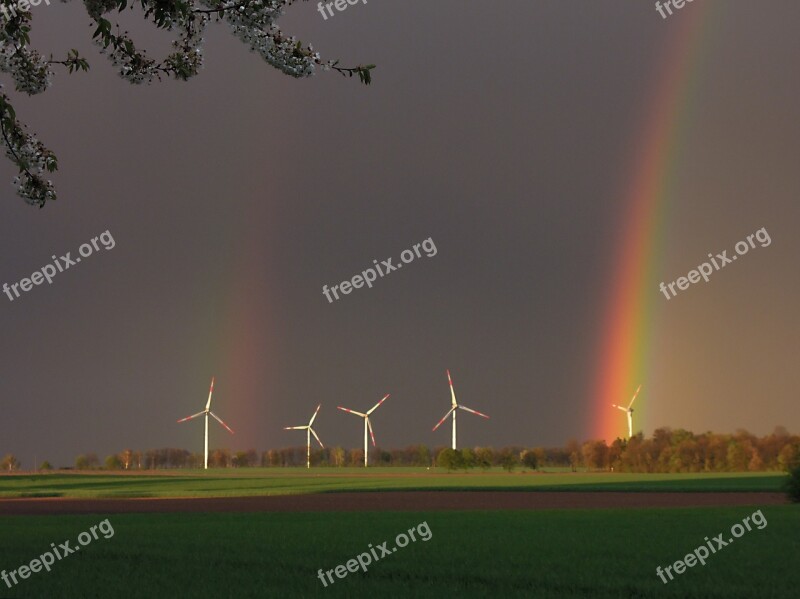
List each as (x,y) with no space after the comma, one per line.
(629,412)
(453,410)
(309,432)
(367,424)
(207,412)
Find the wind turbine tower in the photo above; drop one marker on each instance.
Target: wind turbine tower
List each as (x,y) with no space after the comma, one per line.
(455,406)
(207,412)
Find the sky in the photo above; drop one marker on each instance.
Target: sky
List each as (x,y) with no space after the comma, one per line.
(512,138)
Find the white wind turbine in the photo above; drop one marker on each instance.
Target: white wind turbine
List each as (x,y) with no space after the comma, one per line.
(629,412)
(309,432)
(453,410)
(367,424)
(207,412)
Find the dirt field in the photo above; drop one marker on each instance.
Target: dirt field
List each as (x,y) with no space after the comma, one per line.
(390,500)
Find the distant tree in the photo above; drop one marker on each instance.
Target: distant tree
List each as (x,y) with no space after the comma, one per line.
(468,458)
(615,453)
(356,457)
(541,456)
(788,456)
(737,456)
(152,459)
(127,457)
(87,461)
(484,457)
(756,464)
(195,460)
(271,458)
(422,456)
(219,458)
(574,453)
(508,459)
(113,462)
(450,459)
(46,466)
(318,457)
(529,459)
(239,459)
(716,453)
(793,484)
(10,463)
(589,456)
(399,457)
(338,456)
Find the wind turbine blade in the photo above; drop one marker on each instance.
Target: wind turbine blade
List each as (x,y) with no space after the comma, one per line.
(369,426)
(370,411)
(352,411)
(315,415)
(473,411)
(295,428)
(452,390)
(438,424)
(317,438)
(619,407)
(218,419)
(192,416)
(210,391)
(634,396)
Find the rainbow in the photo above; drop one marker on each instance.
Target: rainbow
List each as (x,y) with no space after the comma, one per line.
(633,303)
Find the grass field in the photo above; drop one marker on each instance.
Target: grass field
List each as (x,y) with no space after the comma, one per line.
(273,481)
(582,554)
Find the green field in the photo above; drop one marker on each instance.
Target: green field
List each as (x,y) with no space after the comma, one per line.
(284,481)
(563,554)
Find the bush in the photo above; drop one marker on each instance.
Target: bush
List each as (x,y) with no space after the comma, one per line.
(46,466)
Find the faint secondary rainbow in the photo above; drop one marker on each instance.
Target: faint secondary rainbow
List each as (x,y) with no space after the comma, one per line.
(629,322)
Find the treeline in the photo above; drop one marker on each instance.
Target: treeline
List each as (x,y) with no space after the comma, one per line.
(666,451)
